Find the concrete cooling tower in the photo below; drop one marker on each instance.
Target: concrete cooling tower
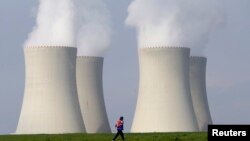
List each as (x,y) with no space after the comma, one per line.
(198,91)
(90,92)
(164,102)
(50,103)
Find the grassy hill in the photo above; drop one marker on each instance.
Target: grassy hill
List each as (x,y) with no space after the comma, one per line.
(108,137)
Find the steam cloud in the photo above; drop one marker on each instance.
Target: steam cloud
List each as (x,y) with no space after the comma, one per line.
(174,22)
(55,24)
(94,22)
(82,23)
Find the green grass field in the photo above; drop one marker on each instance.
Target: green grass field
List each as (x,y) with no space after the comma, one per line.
(108,137)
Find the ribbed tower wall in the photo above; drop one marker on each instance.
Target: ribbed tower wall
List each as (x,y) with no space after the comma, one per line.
(164,102)
(90,92)
(198,91)
(50,102)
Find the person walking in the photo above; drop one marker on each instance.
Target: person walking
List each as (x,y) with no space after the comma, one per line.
(119,127)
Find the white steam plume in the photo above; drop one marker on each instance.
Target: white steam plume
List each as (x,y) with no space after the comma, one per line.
(94,34)
(174,22)
(54,24)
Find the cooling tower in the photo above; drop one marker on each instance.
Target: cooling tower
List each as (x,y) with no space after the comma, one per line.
(90,92)
(198,91)
(164,102)
(50,103)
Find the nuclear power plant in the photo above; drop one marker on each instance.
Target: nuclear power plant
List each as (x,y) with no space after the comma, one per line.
(197,76)
(164,102)
(64,93)
(90,92)
(50,102)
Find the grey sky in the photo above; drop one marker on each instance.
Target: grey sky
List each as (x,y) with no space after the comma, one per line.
(228,68)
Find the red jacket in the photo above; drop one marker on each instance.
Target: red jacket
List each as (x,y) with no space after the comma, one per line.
(119,125)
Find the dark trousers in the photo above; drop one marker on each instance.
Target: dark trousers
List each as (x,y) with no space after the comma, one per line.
(119,132)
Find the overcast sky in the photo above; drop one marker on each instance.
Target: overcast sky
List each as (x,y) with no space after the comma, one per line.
(228,66)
